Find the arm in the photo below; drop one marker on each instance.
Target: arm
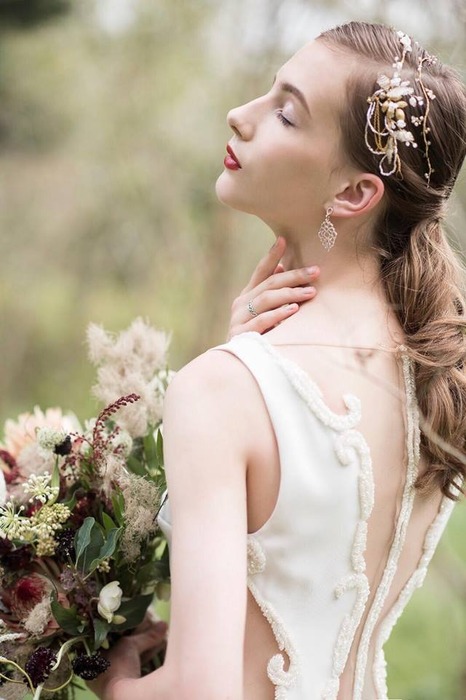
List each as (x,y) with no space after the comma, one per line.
(205,456)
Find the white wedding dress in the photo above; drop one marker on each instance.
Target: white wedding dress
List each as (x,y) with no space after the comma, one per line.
(306,564)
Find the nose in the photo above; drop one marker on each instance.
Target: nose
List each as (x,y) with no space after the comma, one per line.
(239,120)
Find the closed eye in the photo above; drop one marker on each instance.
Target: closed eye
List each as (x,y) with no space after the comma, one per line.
(284,120)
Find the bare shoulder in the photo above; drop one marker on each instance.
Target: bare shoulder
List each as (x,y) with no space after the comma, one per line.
(215,373)
(217,387)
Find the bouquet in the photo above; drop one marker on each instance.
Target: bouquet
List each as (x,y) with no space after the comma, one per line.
(81,554)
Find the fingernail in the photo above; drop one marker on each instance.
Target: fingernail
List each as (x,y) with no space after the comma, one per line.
(311,270)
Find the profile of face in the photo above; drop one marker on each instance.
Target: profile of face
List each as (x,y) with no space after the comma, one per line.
(288,142)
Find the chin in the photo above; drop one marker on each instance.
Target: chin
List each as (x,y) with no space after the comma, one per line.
(228,193)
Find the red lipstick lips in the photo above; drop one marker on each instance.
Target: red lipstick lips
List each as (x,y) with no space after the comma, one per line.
(231,161)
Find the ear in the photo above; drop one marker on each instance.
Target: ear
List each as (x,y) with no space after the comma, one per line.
(359,196)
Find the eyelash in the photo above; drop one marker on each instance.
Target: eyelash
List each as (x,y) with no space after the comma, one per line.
(283,119)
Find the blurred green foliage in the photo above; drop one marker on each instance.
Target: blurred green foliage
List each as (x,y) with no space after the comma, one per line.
(112,133)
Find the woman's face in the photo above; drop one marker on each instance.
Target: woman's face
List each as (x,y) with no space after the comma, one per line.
(287,142)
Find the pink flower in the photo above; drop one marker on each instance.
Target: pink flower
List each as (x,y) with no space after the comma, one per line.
(22,432)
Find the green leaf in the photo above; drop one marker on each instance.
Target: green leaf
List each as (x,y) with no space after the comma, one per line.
(55,482)
(159,448)
(93,549)
(134,611)
(83,537)
(108,522)
(71,503)
(101,628)
(136,466)
(150,450)
(107,548)
(67,618)
(118,503)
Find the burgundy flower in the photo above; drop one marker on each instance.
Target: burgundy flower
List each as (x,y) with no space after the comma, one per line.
(89,667)
(12,472)
(26,593)
(64,448)
(39,665)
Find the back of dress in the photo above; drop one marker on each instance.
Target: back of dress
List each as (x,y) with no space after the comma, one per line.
(348,539)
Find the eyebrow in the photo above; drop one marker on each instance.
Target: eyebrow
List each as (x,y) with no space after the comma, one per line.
(288,87)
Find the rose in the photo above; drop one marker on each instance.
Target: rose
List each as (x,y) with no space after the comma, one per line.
(110,601)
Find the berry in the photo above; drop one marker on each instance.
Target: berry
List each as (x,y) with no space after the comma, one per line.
(89,667)
(65,544)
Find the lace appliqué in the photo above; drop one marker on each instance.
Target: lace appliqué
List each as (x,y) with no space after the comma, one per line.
(347,442)
(357,580)
(282,680)
(311,393)
(431,541)
(407,502)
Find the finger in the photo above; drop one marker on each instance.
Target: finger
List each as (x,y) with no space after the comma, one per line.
(267,264)
(280,280)
(266,320)
(150,639)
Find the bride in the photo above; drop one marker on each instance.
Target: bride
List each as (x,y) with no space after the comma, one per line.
(314,458)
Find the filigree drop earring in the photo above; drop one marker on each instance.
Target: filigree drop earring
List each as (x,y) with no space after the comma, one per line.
(327,232)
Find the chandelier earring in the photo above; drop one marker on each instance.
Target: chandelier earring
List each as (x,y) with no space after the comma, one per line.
(327,232)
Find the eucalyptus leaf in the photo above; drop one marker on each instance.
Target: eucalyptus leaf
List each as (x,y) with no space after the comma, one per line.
(93,549)
(83,537)
(107,548)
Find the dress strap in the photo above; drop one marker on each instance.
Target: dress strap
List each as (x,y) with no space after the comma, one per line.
(400,348)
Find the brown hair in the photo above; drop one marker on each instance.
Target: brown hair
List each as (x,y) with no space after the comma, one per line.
(422,276)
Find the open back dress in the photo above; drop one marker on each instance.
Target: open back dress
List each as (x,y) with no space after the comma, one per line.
(330,610)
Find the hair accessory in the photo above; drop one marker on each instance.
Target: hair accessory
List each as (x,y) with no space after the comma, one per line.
(327,232)
(251,308)
(386,122)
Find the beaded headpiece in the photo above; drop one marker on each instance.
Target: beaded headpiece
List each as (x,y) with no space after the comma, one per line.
(386,123)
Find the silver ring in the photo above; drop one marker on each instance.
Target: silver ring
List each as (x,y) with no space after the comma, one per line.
(251,309)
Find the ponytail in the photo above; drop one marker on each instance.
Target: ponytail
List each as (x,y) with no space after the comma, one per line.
(424,286)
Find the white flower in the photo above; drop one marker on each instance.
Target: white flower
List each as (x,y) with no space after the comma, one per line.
(49,438)
(110,601)
(39,488)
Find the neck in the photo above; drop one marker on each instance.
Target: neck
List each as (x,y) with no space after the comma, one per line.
(347,265)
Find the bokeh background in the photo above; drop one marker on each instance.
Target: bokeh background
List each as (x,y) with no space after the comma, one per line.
(112,133)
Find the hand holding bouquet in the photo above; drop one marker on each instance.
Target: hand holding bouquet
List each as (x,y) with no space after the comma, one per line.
(81,553)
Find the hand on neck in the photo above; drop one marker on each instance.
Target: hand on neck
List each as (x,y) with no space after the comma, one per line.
(350,264)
